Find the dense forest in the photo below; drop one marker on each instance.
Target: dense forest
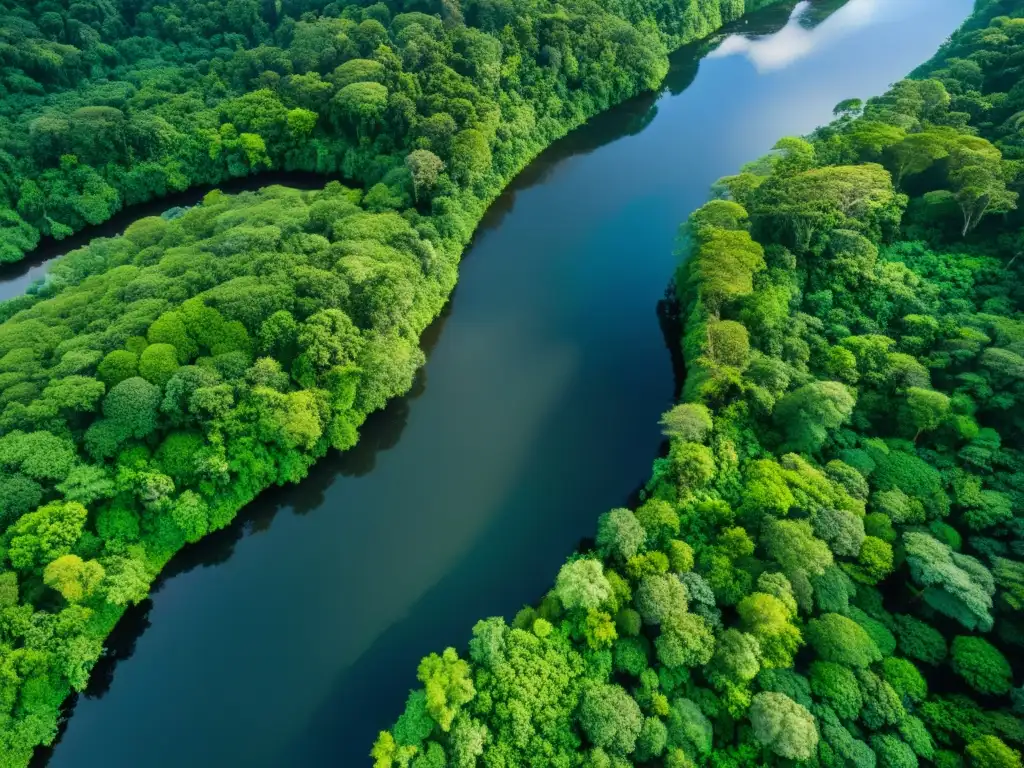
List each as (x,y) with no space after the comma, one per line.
(827,565)
(108,103)
(155,383)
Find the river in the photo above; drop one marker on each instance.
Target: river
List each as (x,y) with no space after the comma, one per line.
(291,638)
(16,278)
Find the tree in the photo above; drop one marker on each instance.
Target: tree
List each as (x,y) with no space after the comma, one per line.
(619,535)
(893,752)
(737,659)
(718,214)
(41,456)
(44,535)
(652,740)
(874,562)
(917,736)
(448,685)
(917,152)
(127,579)
(793,545)
(905,679)
(361,106)
(75,393)
(18,495)
(8,590)
(659,597)
(693,465)
(659,522)
(689,729)
(871,138)
(806,415)
(839,639)
(582,584)
(977,176)
(925,410)
(191,514)
(535,688)
(170,328)
(680,557)
(882,705)
(131,406)
(724,266)
(954,584)
(783,726)
(328,339)
(689,422)
(357,71)
(425,168)
(471,155)
(74,578)
(686,640)
(919,640)
(837,686)
(727,343)
(768,620)
(992,752)
(158,363)
(841,529)
(97,134)
(848,108)
(833,590)
(468,739)
(981,665)
(117,366)
(610,718)
(792,155)
(800,210)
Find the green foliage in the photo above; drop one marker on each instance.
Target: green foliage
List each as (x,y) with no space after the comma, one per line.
(905,679)
(882,705)
(981,665)
(74,578)
(652,739)
(768,619)
(447,684)
(807,415)
(836,685)
(919,640)
(847,445)
(689,422)
(783,726)
(620,535)
(581,584)
(610,718)
(839,639)
(893,752)
(991,752)
(689,729)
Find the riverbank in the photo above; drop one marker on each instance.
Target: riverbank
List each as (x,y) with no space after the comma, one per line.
(543,286)
(153,509)
(833,479)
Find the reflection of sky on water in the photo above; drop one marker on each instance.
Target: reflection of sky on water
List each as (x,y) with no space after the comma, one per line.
(795,41)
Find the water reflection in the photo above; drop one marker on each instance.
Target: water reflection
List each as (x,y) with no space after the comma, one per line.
(381,432)
(541,411)
(811,27)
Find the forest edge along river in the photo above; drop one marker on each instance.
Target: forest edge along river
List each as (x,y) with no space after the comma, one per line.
(536,412)
(17,278)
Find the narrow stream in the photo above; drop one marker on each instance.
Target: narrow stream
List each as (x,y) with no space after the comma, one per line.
(291,638)
(17,278)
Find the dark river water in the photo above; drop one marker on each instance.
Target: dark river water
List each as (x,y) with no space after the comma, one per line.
(291,638)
